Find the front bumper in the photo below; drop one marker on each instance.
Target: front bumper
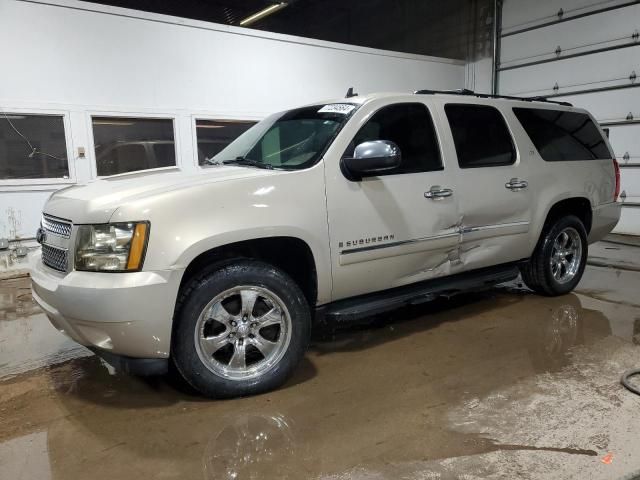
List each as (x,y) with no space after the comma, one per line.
(134,366)
(128,314)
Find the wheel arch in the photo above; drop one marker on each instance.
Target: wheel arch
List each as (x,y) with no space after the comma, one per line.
(578,206)
(289,253)
(560,206)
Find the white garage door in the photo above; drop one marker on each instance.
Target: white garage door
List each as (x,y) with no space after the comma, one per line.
(585,52)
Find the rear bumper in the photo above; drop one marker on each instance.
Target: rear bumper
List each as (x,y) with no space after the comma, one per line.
(128,314)
(605,218)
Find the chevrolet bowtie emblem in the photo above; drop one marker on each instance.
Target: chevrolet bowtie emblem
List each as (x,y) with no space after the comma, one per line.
(41,236)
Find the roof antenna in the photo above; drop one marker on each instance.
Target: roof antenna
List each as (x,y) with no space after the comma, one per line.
(350,93)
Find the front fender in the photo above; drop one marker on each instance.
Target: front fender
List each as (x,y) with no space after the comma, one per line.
(188,222)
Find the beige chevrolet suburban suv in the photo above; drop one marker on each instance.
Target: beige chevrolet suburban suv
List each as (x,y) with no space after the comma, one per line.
(336,210)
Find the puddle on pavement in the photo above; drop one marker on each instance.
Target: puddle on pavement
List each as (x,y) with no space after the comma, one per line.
(403,395)
(27,340)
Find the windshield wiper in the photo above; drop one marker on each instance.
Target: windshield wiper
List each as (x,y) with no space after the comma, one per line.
(249,162)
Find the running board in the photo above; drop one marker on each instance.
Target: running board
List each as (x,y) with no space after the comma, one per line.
(356,308)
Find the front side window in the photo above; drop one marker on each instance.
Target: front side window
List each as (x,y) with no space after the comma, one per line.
(214,135)
(480,135)
(125,144)
(32,147)
(290,140)
(408,125)
(561,135)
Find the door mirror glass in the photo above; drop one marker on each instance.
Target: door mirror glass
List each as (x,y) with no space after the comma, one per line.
(371,158)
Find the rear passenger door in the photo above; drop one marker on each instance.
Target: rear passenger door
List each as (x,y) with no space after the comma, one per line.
(494,198)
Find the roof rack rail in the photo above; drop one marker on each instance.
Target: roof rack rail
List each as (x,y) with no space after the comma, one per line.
(471,93)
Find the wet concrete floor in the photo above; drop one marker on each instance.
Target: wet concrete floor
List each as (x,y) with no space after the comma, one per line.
(500,384)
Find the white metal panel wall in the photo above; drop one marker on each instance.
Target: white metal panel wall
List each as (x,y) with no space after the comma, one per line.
(610,106)
(77,59)
(606,69)
(606,29)
(586,52)
(519,14)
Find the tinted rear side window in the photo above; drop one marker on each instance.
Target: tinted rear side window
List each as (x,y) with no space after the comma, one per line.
(560,135)
(481,136)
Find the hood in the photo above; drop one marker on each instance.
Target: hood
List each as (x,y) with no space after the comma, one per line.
(95,202)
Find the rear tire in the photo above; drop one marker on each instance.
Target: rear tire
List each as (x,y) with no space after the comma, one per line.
(559,260)
(241,329)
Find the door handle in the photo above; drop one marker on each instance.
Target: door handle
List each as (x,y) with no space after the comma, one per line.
(437,192)
(514,184)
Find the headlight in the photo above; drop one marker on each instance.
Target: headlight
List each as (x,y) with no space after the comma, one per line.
(111,247)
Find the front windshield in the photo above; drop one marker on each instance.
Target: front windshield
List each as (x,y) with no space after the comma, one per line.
(294,139)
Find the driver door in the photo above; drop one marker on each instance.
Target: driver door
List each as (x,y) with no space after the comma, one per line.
(391,229)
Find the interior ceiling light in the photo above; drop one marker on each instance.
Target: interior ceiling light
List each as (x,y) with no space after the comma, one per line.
(263,13)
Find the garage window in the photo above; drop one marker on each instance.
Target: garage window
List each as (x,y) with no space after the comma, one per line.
(214,135)
(32,147)
(481,136)
(409,126)
(124,144)
(560,135)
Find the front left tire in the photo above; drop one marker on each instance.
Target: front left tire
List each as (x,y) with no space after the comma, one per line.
(241,329)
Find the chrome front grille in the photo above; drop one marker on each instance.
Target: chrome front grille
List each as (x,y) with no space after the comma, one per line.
(55,258)
(55,242)
(56,227)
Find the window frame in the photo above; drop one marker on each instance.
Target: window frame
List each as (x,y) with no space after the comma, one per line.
(68,139)
(215,118)
(91,154)
(514,147)
(430,111)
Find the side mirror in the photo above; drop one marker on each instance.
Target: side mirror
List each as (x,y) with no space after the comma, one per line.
(370,159)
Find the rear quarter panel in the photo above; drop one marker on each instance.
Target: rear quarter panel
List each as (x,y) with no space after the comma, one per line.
(553,182)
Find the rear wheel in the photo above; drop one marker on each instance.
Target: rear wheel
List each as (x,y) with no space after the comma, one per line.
(241,330)
(559,260)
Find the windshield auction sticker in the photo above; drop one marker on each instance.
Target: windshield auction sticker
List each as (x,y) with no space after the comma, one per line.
(343,108)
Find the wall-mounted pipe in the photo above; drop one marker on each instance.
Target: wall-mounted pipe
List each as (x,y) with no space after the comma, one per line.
(497,17)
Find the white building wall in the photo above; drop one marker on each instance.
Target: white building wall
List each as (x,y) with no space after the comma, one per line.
(479,75)
(80,59)
(600,52)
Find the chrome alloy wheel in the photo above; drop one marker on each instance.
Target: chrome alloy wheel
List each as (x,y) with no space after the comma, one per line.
(566,255)
(243,332)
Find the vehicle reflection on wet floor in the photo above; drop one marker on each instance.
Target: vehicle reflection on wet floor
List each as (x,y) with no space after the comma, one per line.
(15,299)
(501,384)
